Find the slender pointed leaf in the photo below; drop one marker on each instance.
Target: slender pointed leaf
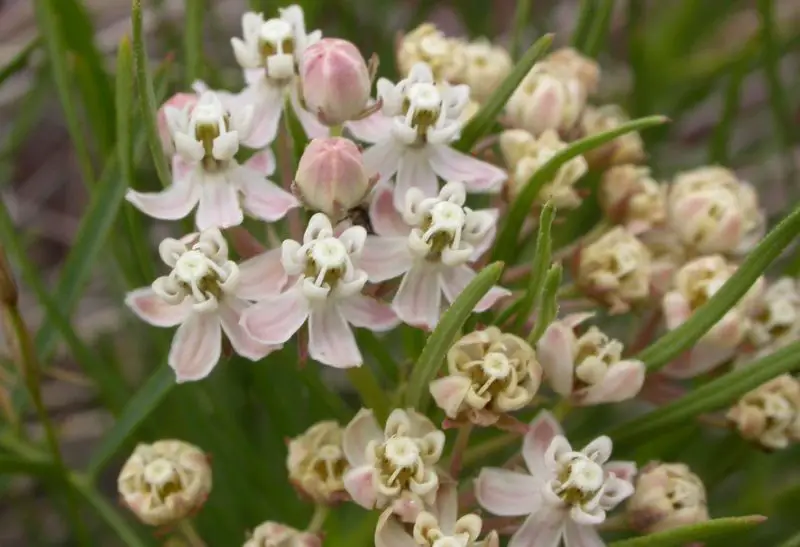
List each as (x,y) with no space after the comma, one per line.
(583,27)
(601,23)
(20,61)
(193,39)
(521,19)
(549,305)
(539,266)
(678,537)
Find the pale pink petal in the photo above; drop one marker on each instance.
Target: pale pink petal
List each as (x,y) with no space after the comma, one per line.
(386,220)
(676,310)
(262,198)
(181,168)
(576,535)
(230,312)
(372,128)
(362,429)
(275,319)
(585,517)
(508,493)
(486,242)
(173,203)
(556,355)
(196,347)
(543,528)
(262,161)
(267,102)
(541,432)
(455,280)
(623,381)
(150,307)
(623,470)
(414,171)
(599,450)
(311,125)
(368,313)
(455,166)
(360,484)
(447,505)
(449,392)
(702,358)
(385,258)
(418,301)
(261,276)
(219,204)
(383,158)
(330,338)
(390,533)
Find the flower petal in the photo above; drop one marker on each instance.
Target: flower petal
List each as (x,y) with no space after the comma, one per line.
(555,351)
(390,533)
(544,528)
(368,313)
(360,484)
(449,392)
(196,347)
(418,301)
(676,310)
(447,505)
(263,198)
(541,432)
(623,381)
(414,171)
(703,357)
(622,470)
(362,429)
(261,276)
(372,128)
(455,280)
(577,535)
(151,308)
(383,158)
(173,203)
(267,101)
(230,313)
(508,493)
(599,450)
(386,220)
(275,319)
(219,203)
(311,125)
(385,258)
(262,161)
(330,338)
(455,166)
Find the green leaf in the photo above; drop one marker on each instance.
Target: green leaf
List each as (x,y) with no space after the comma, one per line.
(549,308)
(721,137)
(147,99)
(601,22)
(14,465)
(19,61)
(793,541)
(584,26)
(714,395)
(539,266)
(678,537)
(446,332)
(483,120)
(675,342)
(521,19)
(505,245)
(193,40)
(372,395)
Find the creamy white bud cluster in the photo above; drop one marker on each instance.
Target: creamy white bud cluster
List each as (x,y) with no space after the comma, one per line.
(316,461)
(770,414)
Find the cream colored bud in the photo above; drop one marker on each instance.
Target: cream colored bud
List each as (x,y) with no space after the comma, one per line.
(770,414)
(631,197)
(627,148)
(427,44)
(775,321)
(515,144)
(615,269)
(487,65)
(667,496)
(585,69)
(275,534)
(490,373)
(316,461)
(164,482)
(549,98)
(668,255)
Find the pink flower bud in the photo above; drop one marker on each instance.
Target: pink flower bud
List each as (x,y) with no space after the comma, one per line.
(179,101)
(331,177)
(336,81)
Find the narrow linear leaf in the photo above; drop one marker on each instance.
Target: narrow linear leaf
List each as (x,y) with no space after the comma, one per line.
(520,209)
(599,28)
(714,395)
(193,39)
(674,342)
(539,266)
(521,19)
(793,541)
(721,137)
(15,465)
(445,333)
(704,531)
(483,120)
(549,307)
(584,26)
(19,61)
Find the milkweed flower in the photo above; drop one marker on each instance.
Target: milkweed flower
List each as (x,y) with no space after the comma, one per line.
(270,52)
(394,467)
(275,534)
(487,65)
(316,461)
(205,293)
(206,174)
(164,482)
(565,493)
(179,101)
(326,292)
(411,137)
(631,197)
(625,149)
(430,245)
(775,319)
(445,56)
(770,414)
(571,61)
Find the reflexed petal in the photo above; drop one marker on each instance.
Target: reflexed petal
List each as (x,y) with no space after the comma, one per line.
(173,203)
(447,505)
(541,432)
(196,347)
(219,204)
(263,198)
(359,483)
(386,220)
(368,313)
(486,241)
(261,276)
(599,450)
(414,171)
(623,470)
(311,125)
(676,310)
(703,357)
(385,258)
(418,301)
(371,129)
(623,381)
(150,307)
(390,533)
(225,146)
(230,311)
(362,429)
(275,319)
(576,535)
(544,528)
(267,101)
(477,175)
(449,392)
(455,280)
(555,351)
(263,162)
(508,493)
(591,518)
(330,338)
(383,158)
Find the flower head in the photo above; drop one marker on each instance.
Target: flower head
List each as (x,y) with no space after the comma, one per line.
(625,149)
(395,467)
(770,414)
(164,482)
(490,373)
(572,62)
(316,461)
(447,57)
(589,368)
(616,269)
(275,534)
(487,65)
(181,102)
(631,197)
(667,496)
(775,319)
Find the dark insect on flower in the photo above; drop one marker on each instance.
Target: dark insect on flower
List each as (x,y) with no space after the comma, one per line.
(359,216)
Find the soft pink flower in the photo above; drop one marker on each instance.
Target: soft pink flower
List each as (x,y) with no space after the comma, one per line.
(179,101)
(207,176)
(430,245)
(566,493)
(326,292)
(205,294)
(422,119)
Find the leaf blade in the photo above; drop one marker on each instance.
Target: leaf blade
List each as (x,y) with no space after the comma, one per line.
(695,532)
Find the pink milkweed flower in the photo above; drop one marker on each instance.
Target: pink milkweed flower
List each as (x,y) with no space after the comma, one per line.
(179,101)
(326,293)
(430,245)
(411,137)
(565,493)
(205,293)
(206,174)
(270,52)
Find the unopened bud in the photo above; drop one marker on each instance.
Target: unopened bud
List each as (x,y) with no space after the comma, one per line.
(487,65)
(631,197)
(275,534)
(547,98)
(331,177)
(585,69)
(8,287)
(316,461)
(627,148)
(336,81)
(426,44)
(179,101)
(770,414)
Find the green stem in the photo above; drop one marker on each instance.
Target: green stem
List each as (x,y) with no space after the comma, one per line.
(337,130)
(190,534)
(462,440)
(521,17)
(372,394)
(318,518)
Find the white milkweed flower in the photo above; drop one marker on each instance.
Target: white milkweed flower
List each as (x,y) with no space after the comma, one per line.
(430,245)
(770,414)
(206,174)
(395,467)
(316,461)
(775,320)
(275,534)
(631,197)
(584,68)
(205,293)
(587,368)
(447,57)
(625,149)
(326,292)
(164,482)
(270,52)
(565,493)
(411,137)
(487,65)
(525,154)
